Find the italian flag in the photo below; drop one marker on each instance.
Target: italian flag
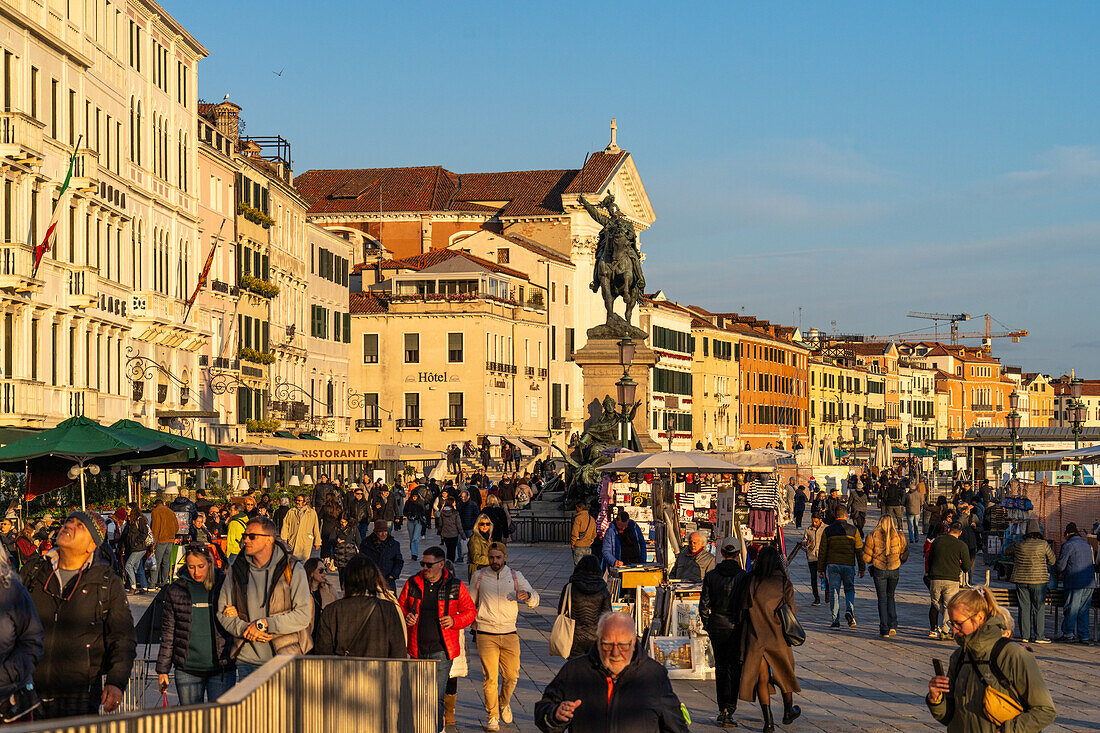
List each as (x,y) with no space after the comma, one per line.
(44,246)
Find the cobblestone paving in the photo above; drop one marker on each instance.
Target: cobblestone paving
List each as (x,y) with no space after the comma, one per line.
(852,680)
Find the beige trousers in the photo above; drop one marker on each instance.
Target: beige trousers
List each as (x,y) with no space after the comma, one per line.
(499,654)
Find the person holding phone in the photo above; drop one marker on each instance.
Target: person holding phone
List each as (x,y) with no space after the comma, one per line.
(986,657)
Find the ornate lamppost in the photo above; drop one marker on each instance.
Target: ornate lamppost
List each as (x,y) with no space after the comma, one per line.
(1012,421)
(140,369)
(1077,416)
(626,388)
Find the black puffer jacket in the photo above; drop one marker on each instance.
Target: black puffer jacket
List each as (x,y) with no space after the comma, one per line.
(590,600)
(88,635)
(134,535)
(717,609)
(175,625)
(20,637)
(345,629)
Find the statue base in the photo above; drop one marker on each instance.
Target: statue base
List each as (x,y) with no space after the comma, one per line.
(616,327)
(600,369)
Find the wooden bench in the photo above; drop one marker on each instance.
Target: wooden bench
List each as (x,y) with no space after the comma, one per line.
(1053,603)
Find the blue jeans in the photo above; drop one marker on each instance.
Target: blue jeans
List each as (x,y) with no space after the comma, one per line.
(1031,597)
(243,670)
(415,527)
(162,555)
(194,689)
(442,673)
(914,527)
(841,577)
(1075,619)
(886,583)
(135,570)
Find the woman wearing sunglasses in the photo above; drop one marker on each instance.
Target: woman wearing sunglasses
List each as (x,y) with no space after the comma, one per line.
(190,639)
(477,548)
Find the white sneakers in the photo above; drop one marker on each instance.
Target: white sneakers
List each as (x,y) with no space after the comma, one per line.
(506,714)
(492,724)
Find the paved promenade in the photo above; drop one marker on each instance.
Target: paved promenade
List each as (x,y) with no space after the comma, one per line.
(852,680)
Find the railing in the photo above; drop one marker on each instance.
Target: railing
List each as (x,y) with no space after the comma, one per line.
(981,408)
(220,287)
(499,366)
(16,263)
(291,694)
(410,423)
(85,169)
(529,371)
(251,371)
(21,397)
(543,372)
(446,423)
(542,529)
(20,136)
(368,423)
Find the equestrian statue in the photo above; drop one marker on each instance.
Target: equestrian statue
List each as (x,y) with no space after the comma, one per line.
(618,269)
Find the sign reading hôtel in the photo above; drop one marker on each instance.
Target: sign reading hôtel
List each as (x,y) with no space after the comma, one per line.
(431,377)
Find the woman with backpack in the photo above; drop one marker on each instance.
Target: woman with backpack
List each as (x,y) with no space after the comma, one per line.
(345,545)
(137,538)
(990,679)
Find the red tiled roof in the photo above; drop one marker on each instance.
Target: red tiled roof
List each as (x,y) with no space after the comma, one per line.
(532,246)
(359,303)
(434,188)
(423,261)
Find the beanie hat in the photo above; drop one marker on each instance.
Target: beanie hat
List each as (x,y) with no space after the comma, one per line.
(94,523)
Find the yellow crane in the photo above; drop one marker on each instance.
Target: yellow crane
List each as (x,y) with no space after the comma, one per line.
(954,319)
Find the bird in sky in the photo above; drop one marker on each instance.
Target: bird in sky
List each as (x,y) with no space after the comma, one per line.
(279,72)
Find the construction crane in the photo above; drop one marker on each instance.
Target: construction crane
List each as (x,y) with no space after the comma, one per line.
(986,336)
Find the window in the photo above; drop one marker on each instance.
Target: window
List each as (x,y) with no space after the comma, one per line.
(412,407)
(567,295)
(454,348)
(370,406)
(502,256)
(34,92)
(412,348)
(454,408)
(569,342)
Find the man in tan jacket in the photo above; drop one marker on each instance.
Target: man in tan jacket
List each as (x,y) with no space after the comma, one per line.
(164,524)
(301,530)
(584,533)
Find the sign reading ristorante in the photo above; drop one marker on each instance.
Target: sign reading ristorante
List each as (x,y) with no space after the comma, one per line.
(340,454)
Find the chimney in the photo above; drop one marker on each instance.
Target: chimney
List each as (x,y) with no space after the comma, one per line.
(227,117)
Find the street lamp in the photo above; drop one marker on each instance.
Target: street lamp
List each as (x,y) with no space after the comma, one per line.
(78,470)
(1077,416)
(626,389)
(1012,420)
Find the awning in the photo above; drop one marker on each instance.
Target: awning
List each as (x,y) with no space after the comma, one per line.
(323,450)
(537,444)
(518,444)
(1054,461)
(494,439)
(254,454)
(392,452)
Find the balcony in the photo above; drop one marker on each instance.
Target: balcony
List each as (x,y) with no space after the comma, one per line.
(368,423)
(723,398)
(543,373)
(16,264)
(452,423)
(149,305)
(220,362)
(529,371)
(83,287)
(501,367)
(981,408)
(410,423)
(257,372)
(85,171)
(559,423)
(21,401)
(21,138)
(225,288)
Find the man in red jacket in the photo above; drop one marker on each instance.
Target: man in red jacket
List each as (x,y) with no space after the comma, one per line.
(436,606)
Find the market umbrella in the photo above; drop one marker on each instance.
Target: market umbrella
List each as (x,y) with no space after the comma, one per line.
(887,451)
(829,457)
(197,451)
(48,457)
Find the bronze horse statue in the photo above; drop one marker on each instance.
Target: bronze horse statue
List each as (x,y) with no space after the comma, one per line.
(618,269)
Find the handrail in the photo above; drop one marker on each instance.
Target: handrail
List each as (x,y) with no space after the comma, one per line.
(291,694)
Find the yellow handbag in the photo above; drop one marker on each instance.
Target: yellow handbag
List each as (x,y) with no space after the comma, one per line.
(998,706)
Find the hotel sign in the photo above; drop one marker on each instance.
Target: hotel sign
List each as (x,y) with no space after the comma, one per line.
(431,377)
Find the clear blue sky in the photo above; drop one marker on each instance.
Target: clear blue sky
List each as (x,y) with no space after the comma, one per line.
(857,160)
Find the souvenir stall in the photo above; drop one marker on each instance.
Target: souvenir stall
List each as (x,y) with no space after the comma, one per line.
(668,495)
(756,513)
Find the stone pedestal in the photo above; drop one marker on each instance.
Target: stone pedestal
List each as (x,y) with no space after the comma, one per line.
(600,367)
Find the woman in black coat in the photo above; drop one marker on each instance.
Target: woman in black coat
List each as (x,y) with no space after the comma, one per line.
(589,599)
(21,642)
(345,545)
(365,622)
(190,638)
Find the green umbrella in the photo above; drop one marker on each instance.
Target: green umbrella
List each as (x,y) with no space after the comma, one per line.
(51,453)
(196,449)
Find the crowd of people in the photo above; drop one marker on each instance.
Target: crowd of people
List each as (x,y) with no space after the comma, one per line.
(240,583)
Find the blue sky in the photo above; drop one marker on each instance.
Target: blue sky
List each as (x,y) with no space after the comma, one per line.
(857,160)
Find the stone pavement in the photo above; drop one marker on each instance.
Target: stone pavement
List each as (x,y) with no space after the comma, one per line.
(852,680)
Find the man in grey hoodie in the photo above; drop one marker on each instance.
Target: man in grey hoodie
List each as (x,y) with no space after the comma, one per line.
(265,603)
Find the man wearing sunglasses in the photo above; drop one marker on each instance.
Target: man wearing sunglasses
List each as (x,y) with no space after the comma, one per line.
(265,603)
(615,688)
(436,606)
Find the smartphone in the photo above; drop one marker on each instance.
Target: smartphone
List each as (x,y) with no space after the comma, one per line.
(938,666)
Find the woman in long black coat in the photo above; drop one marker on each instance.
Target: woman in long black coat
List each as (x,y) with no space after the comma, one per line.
(589,600)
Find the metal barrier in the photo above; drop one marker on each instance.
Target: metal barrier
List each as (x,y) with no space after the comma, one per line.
(542,529)
(292,694)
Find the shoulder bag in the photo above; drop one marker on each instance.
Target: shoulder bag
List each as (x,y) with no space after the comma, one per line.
(561,635)
(793,632)
(999,707)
